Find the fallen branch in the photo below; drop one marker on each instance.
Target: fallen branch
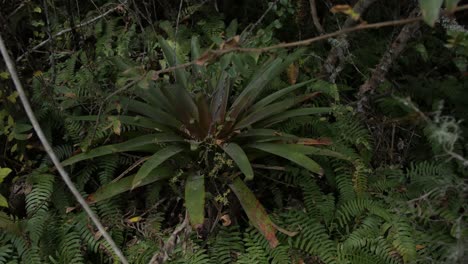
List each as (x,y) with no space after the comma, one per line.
(315,18)
(70,29)
(163,255)
(334,62)
(390,55)
(51,153)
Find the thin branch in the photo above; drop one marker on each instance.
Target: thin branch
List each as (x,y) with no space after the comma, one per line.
(390,55)
(330,69)
(17,9)
(52,41)
(70,29)
(212,54)
(315,18)
(51,153)
(163,255)
(248,30)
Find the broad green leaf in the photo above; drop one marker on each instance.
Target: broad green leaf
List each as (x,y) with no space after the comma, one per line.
(430,10)
(293,113)
(195,198)
(231,30)
(282,150)
(240,158)
(276,95)
(255,211)
(171,57)
(126,184)
(3,201)
(4,173)
(4,75)
(134,144)
(451,4)
(154,161)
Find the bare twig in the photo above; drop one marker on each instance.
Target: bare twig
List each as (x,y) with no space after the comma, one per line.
(129,169)
(393,51)
(17,9)
(330,69)
(216,53)
(52,41)
(249,29)
(51,153)
(163,255)
(69,30)
(315,18)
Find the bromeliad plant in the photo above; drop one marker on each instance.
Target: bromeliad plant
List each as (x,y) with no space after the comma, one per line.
(211,132)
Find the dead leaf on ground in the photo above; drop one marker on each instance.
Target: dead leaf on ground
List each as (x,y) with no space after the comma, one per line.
(226,220)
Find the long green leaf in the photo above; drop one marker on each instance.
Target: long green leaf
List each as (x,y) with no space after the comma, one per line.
(240,158)
(139,121)
(220,98)
(258,83)
(250,92)
(195,198)
(264,132)
(171,57)
(154,97)
(283,151)
(154,113)
(276,95)
(195,45)
(184,106)
(154,161)
(131,145)
(255,211)
(293,113)
(204,115)
(270,110)
(126,184)
(305,150)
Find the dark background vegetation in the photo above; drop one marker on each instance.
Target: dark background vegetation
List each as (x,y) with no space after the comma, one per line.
(402,200)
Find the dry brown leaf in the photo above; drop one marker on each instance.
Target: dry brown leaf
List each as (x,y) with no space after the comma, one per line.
(69,209)
(226,220)
(341,9)
(419,247)
(230,43)
(311,141)
(293,73)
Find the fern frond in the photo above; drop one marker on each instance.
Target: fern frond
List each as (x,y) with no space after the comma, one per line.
(313,237)
(37,201)
(226,246)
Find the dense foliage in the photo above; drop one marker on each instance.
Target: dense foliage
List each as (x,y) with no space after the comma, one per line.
(272,156)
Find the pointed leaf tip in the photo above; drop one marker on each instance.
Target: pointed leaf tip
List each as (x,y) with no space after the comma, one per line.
(240,158)
(255,211)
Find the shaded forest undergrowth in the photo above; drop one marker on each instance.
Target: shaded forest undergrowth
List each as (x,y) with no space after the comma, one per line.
(348,150)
